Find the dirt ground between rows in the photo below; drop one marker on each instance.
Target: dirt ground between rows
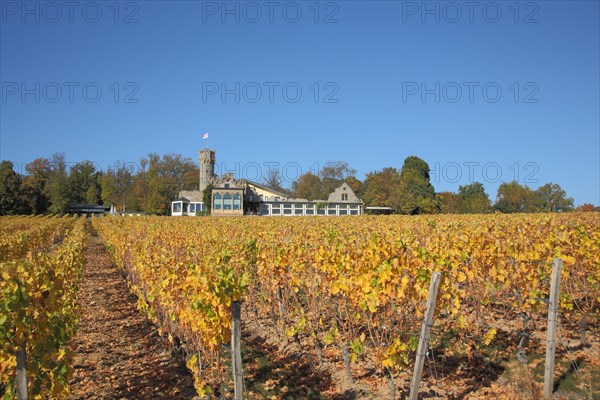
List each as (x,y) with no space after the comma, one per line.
(118,353)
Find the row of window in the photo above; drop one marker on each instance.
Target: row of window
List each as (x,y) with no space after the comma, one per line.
(192,208)
(197,207)
(260,198)
(227,201)
(308,209)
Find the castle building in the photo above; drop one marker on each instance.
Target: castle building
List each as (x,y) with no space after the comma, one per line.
(231,197)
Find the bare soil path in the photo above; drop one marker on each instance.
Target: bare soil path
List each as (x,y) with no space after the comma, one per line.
(118,353)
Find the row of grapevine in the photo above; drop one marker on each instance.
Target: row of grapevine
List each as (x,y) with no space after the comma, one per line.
(357,284)
(38,291)
(22,234)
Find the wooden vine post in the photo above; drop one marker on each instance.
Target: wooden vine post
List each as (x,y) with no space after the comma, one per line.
(236,350)
(22,372)
(553,305)
(424,338)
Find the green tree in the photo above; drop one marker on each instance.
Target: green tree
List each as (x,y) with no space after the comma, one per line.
(57,188)
(552,198)
(116,185)
(415,194)
(515,198)
(140,189)
(10,184)
(33,187)
(474,199)
(83,183)
(207,197)
(167,176)
(92,195)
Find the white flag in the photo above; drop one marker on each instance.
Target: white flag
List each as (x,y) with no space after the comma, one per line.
(205,136)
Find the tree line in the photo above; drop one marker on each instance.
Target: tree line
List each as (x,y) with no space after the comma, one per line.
(409,191)
(50,185)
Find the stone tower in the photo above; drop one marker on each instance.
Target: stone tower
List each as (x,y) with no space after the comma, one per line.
(207,161)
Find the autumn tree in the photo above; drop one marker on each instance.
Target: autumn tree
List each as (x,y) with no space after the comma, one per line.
(354,183)
(587,207)
(318,187)
(308,186)
(380,187)
(449,203)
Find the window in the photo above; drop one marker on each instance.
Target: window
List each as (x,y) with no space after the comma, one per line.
(227,201)
(277,199)
(344,196)
(192,207)
(264,209)
(310,211)
(343,211)
(320,211)
(217,201)
(177,207)
(275,210)
(226,186)
(237,201)
(261,197)
(298,210)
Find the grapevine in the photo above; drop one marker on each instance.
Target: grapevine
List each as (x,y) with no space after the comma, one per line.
(355,284)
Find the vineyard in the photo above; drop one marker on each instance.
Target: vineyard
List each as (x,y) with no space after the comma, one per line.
(41,260)
(342,298)
(350,292)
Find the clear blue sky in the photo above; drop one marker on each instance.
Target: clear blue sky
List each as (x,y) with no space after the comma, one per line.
(393,79)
